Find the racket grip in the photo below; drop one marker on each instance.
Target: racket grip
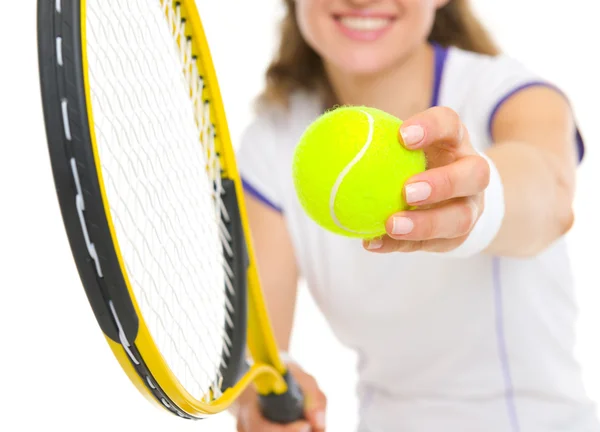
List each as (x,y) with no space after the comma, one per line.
(284,408)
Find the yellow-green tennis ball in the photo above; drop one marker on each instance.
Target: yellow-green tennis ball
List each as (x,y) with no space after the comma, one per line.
(350,168)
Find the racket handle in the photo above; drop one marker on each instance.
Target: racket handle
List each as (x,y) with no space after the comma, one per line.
(284,408)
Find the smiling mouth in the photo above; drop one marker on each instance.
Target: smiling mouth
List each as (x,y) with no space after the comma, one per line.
(364,24)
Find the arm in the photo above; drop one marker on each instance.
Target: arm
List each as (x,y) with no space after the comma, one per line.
(276,266)
(535,156)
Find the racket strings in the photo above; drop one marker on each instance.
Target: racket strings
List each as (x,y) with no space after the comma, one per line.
(175,335)
(154,201)
(157,149)
(207,131)
(208,135)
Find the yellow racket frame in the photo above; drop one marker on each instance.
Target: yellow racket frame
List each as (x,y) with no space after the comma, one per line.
(268,368)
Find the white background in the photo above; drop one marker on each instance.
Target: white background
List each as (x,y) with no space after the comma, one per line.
(56,371)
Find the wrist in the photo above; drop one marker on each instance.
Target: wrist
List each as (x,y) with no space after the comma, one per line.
(286,357)
(283,355)
(490,220)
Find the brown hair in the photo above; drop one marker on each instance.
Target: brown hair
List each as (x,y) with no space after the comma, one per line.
(297,66)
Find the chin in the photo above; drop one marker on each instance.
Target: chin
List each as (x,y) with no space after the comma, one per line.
(362,65)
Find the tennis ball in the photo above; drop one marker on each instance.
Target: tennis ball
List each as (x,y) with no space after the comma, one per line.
(349,169)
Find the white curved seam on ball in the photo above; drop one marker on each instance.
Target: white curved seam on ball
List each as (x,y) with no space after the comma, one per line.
(346,170)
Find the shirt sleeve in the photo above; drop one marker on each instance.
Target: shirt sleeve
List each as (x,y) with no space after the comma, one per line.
(502,78)
(256,159)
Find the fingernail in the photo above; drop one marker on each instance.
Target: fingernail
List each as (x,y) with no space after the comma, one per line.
(306,428)
(412,135)
(402,225)
(320,419)
(375,244)
(416,192)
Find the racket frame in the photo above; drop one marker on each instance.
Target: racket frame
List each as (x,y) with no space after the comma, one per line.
(68,114)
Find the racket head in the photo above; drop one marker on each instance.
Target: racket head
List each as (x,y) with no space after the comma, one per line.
(107,103)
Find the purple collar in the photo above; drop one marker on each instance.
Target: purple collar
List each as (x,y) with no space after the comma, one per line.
(441,54)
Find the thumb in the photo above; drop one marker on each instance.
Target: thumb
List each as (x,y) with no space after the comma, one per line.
(315,408)
(299,427)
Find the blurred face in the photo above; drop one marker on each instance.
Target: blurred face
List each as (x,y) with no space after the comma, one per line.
(365,36)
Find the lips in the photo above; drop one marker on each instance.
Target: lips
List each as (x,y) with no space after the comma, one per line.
(364,23)
(363,26)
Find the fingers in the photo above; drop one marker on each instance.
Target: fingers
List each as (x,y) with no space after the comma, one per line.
(251,420)
(387,245)
(438,229)
(315,404)
(465,177)
(300,426)
(296,427)
(437,126)
(452,220)
(315,410)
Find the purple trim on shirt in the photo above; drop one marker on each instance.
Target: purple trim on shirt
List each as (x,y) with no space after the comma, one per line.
(441,54)
(258,195)
(578,137)
(580,144)
(502,349)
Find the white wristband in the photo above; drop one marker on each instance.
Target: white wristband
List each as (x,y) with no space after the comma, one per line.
(490,221)
(283,355)
(286,357)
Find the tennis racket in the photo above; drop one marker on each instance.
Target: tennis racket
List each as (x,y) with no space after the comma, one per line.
(152,205)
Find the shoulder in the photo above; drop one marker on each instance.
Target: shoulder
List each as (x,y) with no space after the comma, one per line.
(478,85)
(474,64)
(470,76)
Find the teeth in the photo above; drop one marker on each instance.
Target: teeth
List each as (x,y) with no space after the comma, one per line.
(364,24)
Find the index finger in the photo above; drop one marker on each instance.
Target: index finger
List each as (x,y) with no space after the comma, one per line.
(258,423)
(300,426)
(315,409)
(437,126)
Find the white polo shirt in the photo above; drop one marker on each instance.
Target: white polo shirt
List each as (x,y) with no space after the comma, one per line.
(482,344)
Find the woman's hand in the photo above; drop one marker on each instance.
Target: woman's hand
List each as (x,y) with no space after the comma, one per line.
(250,419)
(448,197)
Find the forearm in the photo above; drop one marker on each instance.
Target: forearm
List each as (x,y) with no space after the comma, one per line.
(538,194)
(278,276)
(276,265)
(280,298)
